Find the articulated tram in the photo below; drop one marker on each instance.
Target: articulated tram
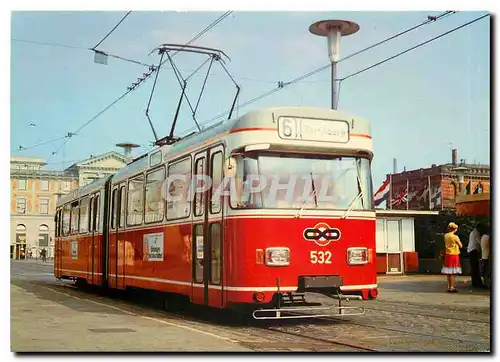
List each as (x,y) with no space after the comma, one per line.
(254,211)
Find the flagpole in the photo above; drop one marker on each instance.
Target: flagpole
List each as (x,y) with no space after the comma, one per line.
(390,192)
(407,194)
(429,179)
(442,197)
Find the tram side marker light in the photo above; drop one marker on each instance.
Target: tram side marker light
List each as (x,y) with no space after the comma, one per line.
(357,256)
(277,256)
(259,256)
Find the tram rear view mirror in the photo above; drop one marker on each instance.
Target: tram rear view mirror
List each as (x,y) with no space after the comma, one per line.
(230,167)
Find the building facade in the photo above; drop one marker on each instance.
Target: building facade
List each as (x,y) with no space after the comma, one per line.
(34,194)
(395,240)
(97,167)
(436,187)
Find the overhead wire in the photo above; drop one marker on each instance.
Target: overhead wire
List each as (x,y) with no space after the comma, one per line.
(111,31)
(22,148)
(300,78)
(201,33)
(413,48)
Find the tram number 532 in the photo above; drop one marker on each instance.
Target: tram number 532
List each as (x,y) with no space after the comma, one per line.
(320,257)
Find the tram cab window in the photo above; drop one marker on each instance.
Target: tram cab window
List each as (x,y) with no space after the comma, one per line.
(295,181)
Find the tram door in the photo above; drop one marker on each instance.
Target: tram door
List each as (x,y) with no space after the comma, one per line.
(207,230)
(93,267)
(116,247)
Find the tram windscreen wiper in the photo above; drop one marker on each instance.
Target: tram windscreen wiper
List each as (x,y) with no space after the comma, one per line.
(313,193)
(359,195)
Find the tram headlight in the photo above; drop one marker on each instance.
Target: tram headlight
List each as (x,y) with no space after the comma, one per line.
(357,256)
(277,256)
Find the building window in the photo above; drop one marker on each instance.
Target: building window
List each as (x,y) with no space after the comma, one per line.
(65,185)
(21,205)
(20,234)
(44,185)
(43,236)
(44,205)
(21,184)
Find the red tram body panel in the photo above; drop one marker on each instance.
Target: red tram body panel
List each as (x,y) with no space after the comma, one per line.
(231,240)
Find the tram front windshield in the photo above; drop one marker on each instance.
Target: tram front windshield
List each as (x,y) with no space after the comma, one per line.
(292,182)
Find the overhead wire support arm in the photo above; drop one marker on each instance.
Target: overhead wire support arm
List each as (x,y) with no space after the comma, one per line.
(183,85)
(238,89)
(151,97)
(204,83)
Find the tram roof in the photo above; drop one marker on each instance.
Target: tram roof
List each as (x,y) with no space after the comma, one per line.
(265,117)
(257,118)
(82,191)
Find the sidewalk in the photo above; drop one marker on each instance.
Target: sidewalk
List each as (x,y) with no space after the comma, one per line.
(45,320)
(35,261)
(431,290)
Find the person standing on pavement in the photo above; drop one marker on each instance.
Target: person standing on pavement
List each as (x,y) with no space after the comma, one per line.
(485,258)
(451,266)
(474,251)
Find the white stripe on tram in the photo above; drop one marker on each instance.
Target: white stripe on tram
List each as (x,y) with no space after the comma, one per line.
(218,287)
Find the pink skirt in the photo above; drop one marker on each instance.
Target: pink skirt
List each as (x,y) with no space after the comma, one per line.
(451,265)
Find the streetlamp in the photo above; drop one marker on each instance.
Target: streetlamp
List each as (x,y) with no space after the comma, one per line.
(334,30)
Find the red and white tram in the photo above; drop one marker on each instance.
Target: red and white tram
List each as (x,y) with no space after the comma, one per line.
(264,248)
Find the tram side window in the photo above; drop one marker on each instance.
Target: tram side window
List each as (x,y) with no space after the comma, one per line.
(114,211)
(91,214)
(216,174)
(199,197)
(75,215)
(66,219)
(121,220)
(215,257)
(154,205)
(96,212)
(135,207)
(59,222)
(84,214)
(56,222)
(178,200)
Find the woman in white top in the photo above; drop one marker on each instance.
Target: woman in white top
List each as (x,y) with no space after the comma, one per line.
(485,258)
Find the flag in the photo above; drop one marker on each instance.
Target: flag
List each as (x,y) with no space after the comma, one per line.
(401,198)
(382,193)
(436,198)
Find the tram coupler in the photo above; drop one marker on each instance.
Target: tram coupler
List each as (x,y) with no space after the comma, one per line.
(294,305)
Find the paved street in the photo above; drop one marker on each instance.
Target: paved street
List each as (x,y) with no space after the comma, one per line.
(412,313)
(45,319)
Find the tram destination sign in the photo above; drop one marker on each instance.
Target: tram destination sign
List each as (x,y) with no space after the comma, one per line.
(311,129)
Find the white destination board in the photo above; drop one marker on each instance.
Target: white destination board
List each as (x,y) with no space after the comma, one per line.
(308,129)
(153,247)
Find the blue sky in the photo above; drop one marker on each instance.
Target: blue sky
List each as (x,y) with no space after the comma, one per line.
(418,103)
